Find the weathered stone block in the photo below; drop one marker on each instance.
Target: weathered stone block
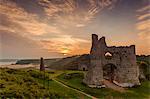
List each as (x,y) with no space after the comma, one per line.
(123,67)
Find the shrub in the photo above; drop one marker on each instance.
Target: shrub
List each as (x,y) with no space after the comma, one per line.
(73,75)
(39,74)
(22,84)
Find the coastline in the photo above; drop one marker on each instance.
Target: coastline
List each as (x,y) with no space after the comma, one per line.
(17,66)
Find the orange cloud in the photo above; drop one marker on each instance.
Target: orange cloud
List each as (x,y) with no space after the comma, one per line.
(144,16)
(143,25)
(66,45)
(143,28)
(30,23)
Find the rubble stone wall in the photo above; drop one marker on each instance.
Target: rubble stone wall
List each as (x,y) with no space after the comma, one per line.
(123,57)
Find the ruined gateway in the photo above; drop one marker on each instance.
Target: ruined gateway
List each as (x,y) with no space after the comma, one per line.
(115,64)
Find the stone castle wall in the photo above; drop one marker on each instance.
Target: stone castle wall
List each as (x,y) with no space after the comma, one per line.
(123,58)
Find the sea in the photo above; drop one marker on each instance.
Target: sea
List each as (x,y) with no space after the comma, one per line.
(7,61)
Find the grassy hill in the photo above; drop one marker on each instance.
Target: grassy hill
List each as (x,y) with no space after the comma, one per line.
(74,80)
(33,84)
(65,63)
(70,63)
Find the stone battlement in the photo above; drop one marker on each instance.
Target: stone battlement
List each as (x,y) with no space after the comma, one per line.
(112,63)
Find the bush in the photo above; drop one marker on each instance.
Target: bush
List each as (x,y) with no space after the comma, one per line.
(145,67)
(39,74)
(73,75)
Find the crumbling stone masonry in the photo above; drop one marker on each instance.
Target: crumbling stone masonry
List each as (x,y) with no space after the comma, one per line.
(42,68)
(116,64)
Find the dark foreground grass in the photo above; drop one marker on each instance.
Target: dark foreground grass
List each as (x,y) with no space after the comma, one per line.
(32,84)
(75,80)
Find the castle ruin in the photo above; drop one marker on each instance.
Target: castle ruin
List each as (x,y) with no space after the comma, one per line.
(115,64)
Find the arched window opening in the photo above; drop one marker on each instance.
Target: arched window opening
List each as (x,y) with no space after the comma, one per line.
(108,55)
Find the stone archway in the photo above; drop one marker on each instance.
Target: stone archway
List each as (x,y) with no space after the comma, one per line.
(109,71)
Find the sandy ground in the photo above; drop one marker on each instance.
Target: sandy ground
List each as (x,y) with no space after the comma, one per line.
(20,66)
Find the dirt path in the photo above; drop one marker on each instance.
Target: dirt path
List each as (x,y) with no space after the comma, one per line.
(113,86)
(74,89)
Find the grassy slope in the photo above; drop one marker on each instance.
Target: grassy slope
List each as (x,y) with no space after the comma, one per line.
(31,84)
(141,92)
(65,63)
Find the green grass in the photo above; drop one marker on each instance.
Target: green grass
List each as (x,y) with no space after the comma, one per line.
(30,84)
(75,81)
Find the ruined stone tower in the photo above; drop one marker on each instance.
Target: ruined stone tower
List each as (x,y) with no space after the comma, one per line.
(42,68)
(116,64)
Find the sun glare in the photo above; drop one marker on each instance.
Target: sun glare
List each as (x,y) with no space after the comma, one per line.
(65,51)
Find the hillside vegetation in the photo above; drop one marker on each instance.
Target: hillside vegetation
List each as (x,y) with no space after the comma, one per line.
(143,58)
(74,80)
(65,63)
(32,84)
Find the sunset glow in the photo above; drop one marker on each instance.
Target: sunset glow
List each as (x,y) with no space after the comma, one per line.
(65,51)
(58,28)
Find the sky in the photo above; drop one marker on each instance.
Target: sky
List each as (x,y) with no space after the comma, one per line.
(61,28)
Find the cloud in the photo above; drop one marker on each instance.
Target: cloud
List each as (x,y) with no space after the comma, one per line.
(16,39)
(21,21)
(146,8)
(143,25)
(15,45)
(66,43)
(80,25)
(30,6)
(61,15)
(48,27)
(75,13)
(146,15)
(143,28)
